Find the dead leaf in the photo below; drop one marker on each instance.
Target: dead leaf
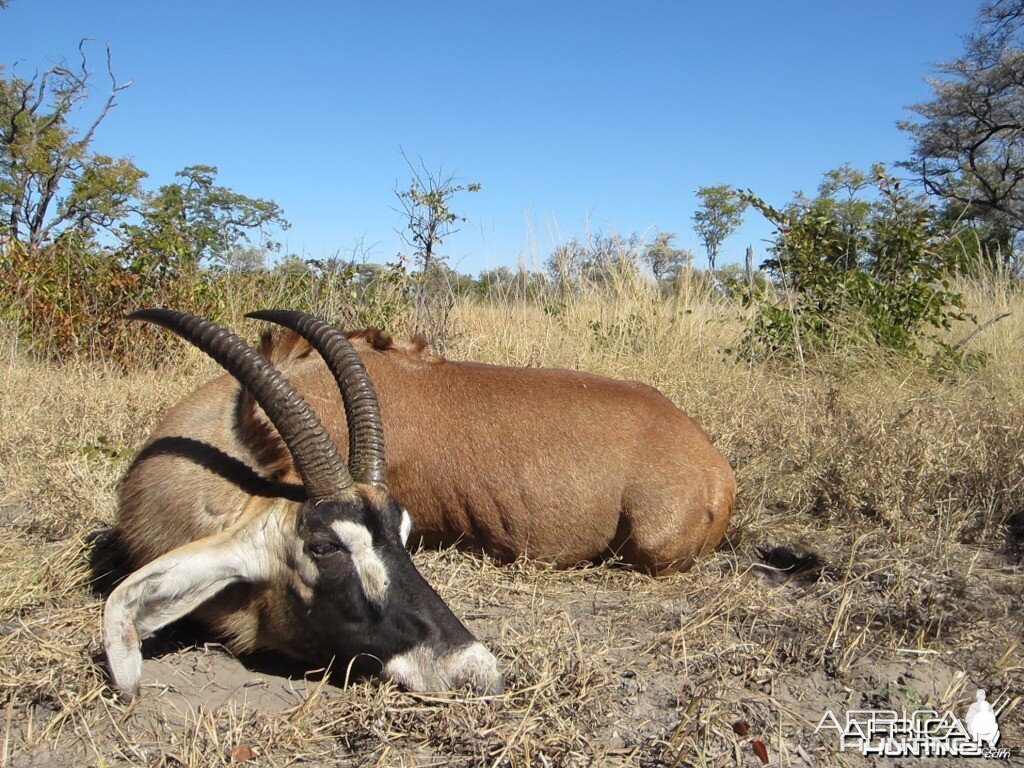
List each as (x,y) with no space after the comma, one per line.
(242,753)
(760,750)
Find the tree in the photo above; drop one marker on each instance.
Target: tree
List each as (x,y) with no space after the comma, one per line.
(888,290)
(51,180)
(969,139)
(598,259)
(664,260)
(445,281)
(293,267)
(719,215)
(425,207)
(567,262)
(196,219)
(495,281)
(244,258)
(840,193)
(369,272)
(428,219)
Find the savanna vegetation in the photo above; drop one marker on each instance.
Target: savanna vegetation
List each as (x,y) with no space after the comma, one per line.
(866,381)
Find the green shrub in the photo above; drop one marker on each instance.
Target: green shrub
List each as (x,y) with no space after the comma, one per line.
(68,299)
(852,273)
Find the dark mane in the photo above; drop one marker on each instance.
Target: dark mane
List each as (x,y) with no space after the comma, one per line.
(284,346)
(382,342)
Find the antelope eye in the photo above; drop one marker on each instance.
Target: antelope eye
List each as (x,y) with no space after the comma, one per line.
(323,548)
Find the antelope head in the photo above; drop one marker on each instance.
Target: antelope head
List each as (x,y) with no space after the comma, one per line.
(340,564)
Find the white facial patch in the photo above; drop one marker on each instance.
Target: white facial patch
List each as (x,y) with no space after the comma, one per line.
(373,576)
(405,528)
(416,669)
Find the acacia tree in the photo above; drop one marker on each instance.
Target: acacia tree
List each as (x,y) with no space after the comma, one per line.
(428,219)
(51,180)
(665,260)
(719,215)
(969,139)
(197,219)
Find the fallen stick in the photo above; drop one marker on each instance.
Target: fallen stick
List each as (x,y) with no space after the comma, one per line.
(979,329)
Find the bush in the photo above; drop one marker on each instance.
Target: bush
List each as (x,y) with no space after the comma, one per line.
(68,300)
(852,273)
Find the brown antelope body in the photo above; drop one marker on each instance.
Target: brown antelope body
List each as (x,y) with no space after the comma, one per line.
(560,466)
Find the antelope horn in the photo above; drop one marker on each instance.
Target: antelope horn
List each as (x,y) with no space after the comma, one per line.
(321,467)
(362,411)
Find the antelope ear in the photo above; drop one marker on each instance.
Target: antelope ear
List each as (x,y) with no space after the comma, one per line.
(172,586)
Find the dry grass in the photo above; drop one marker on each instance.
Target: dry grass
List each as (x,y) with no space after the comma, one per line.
(905,482)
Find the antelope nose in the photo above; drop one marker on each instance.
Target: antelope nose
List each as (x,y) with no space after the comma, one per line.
(471,665)
(475,666)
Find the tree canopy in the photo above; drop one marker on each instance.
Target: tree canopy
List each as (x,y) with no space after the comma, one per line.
(969,139)
(664,259)
(196,219)
(719,215)
(51,180)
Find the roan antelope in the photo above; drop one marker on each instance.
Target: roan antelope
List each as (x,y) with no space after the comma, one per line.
(318,571)
(561,466)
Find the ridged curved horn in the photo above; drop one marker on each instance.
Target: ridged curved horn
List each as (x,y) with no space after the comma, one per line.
(321,467)
(362,411)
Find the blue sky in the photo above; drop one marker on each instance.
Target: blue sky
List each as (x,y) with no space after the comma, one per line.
(564,111)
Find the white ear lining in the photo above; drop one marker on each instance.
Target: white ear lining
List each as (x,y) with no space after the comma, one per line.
(172,586)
